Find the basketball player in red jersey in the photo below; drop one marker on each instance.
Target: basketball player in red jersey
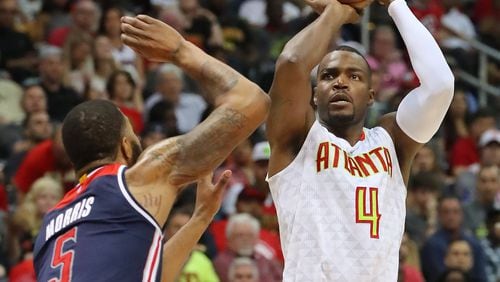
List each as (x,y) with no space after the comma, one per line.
(109,227)
(339,188)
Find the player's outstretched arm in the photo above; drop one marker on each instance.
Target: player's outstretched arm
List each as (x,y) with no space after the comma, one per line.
(178,248)
(291,114)
(241,106)
(421,112)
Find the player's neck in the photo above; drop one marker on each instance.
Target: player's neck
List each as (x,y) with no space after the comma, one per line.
(351,133)
(92,166)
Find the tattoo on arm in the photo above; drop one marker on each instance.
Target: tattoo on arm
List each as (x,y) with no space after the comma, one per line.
(215,80)
(209,146)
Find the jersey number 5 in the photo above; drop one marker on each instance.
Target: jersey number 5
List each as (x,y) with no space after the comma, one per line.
(372,216)
(64,259)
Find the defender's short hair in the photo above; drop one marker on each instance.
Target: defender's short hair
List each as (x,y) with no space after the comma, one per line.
(91,131)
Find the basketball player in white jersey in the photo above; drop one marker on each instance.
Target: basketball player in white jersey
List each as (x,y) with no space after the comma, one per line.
(339,188)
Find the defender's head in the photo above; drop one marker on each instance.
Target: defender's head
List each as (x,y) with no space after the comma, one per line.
(343,92)
(97,132)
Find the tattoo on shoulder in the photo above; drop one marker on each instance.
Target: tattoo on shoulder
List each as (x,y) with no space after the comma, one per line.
(151,203)
(216,81)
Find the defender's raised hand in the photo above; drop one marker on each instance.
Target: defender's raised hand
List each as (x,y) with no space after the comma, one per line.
(151,38)
(209,196)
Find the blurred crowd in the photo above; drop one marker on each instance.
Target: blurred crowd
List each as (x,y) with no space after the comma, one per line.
(55,54)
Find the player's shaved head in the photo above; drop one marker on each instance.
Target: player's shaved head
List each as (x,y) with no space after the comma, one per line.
(92,131)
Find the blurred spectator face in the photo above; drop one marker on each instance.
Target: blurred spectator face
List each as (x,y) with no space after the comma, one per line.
(383,42)
(450,214)
(152,138)
(45,200)
(242,239)
(52,69)
(103,48)
(112,22)
(244,273)
(260,170)
(80,51)
(488,184)
(480,125)
(422,196)
(176,223)
(123,89)
(424,160)
(459,255)
(170,86)
(38,127)
(490,154)
(8,13)
(34,100)
(85,15)
(253,207)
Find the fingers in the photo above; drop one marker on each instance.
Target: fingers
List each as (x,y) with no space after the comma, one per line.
(223,180)
(132,30)
(130,40)
(135,22)
(146,19)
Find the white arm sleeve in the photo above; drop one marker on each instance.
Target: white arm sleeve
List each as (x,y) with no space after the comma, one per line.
(423,109)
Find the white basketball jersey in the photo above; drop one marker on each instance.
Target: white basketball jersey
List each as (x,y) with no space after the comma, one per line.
(341,208)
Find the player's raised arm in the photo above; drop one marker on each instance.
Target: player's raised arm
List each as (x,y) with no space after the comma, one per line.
(241,106)
(421,112)
(291,114)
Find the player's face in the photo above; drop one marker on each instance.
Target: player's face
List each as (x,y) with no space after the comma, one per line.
(343,91)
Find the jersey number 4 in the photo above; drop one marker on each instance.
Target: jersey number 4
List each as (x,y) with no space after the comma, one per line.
(64,258)
(367,209)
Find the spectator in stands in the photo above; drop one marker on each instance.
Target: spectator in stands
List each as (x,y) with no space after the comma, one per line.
(421,213)
(198,266)
(429,12)
(243,270)
(409,261)
(487,197)
(122,90)
(202,28)
(459,256)
(387,59)
(188,106)
(84,16)
(465,150)
(455,121)
(456,29)
(55,162)
(240,163)
(34,99)
(36,129)
(453,275)
(60,99)
(152,134)
(18,54)
(434,250)
(104,66)
(242,233)
(163,113)
(77,53)
(27,219)
(491,245)
(123,55)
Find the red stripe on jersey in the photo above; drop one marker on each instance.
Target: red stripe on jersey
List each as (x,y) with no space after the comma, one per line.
(111,169)
(155,257)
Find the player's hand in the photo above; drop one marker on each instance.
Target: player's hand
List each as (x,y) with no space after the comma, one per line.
(209,196)
(317,5)
(151,38)
(349,12)
(384,2)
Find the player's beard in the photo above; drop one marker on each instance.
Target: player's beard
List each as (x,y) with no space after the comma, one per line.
(136,152)
(340,119)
